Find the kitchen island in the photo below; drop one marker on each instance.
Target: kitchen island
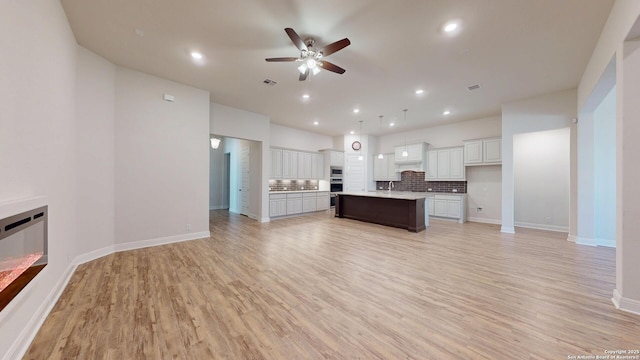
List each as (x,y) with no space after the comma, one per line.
(391,208)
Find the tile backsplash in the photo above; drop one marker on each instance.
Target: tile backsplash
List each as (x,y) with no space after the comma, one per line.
(292,185)
(414,181)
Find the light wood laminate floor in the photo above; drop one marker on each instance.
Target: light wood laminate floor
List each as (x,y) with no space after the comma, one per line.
(317,287)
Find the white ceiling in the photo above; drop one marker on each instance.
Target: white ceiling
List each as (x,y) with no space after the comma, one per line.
(513,48)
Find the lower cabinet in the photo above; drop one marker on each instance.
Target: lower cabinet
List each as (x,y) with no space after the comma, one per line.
(448,206)
(297,203)
(309,202)
(323,202)
(277,205)
(294,204)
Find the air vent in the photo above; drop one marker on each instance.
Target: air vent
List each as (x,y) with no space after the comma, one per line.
(473,87)
(269,82)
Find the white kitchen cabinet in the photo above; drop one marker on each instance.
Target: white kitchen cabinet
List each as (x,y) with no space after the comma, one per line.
(456,161)
(449,206)
(276,164)
(309,202)
(289,164)
(317,166)
(432,205)
(416,159)
(432,165)
(277,205)
(336,158)
(304,165)
(385,169)
(483,152)
(446,164)
(323,201)
(294,203)
(492,151)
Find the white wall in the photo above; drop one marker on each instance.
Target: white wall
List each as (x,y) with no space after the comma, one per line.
(624,14)
(484,189)
(541,179)
(95,117)
(37,145)
(241,124)
(282,136)
(546,112)
(443,135)
(161,158)
(604,118)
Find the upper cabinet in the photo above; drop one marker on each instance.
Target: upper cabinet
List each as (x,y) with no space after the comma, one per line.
(483,152)
(446,164)
(385,169)
(276,164)
(291,164)
(336,158)
(415,159)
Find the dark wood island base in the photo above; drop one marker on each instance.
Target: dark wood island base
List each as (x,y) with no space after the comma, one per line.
(406,213)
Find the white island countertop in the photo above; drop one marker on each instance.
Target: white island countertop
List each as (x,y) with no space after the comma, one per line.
(404,195)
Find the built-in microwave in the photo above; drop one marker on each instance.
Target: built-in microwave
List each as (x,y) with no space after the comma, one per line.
(335,171)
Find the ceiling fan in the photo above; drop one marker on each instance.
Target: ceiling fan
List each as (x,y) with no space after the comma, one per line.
(312,59)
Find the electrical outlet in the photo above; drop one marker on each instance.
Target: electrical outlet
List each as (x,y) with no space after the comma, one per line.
(187,227)
(548,220)
(479,210)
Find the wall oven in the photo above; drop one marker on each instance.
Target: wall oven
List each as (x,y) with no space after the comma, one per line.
(335,185)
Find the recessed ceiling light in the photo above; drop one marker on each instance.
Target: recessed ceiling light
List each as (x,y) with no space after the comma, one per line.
(446,112)
(196,55)
(352,132)
(451,26)
(419,91)
(315,123)
(392,124)
(355,111)
(305,96)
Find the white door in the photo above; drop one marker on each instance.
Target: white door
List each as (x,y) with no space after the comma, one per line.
(245,190)
(355,176)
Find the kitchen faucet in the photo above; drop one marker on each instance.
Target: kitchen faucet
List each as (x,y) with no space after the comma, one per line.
(390,185)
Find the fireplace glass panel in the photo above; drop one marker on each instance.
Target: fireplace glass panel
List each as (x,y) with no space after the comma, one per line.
(23,251)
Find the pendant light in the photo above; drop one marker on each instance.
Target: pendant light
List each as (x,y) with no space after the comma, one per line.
(405,153)
(380,156)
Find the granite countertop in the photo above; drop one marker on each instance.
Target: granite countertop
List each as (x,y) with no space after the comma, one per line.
(409,195)
(405,195)
(296,191)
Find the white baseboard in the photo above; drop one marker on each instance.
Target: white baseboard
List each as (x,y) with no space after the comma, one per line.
(219,207)
(586,241)
(547,227)
(625,304)
(161,241)
(485,221)
(95,254)
(265,219)
(507,229)
(606,242)
(29,332)
(572,238)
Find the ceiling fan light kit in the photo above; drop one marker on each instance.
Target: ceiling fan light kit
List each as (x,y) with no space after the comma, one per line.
(311,57)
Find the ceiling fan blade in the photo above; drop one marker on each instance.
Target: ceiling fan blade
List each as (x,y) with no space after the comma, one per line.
(282,59)
(296,39)
(304,76)
(338,45)
(331,67)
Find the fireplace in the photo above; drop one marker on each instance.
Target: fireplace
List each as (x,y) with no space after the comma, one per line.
(23,251)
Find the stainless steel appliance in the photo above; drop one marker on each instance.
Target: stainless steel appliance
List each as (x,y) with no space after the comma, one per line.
(335,183)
